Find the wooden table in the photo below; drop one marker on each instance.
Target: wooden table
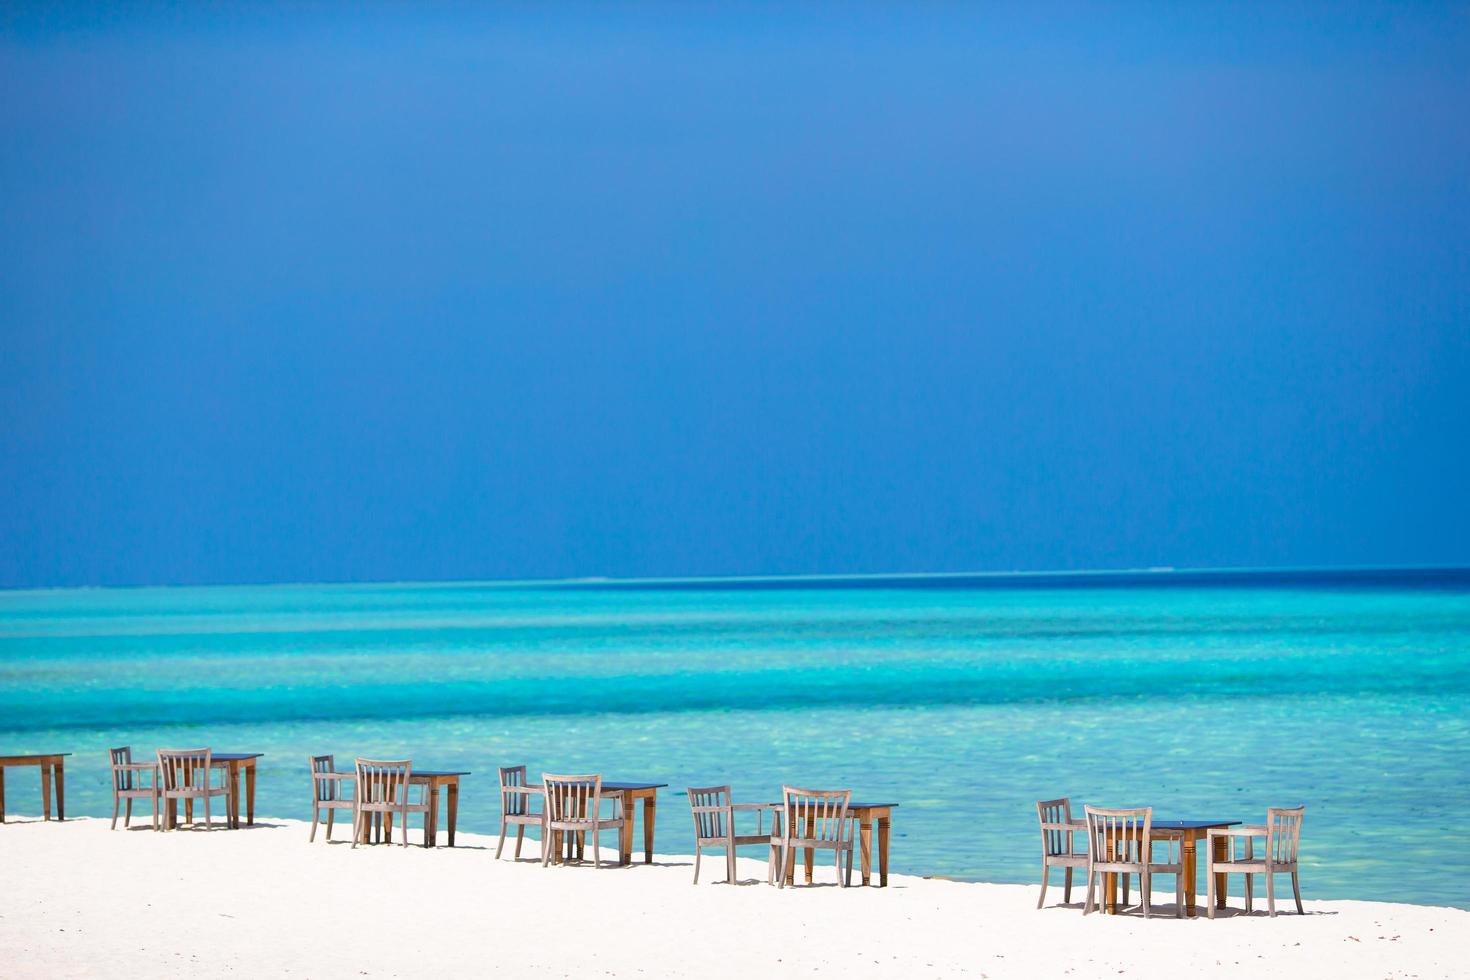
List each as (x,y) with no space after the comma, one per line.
(234,764)
(867,815)
(1189,833)
(632,793)
(436,780)
(53,771)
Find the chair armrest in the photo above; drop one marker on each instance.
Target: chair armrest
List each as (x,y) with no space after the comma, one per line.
(321,776)
(136,766)
(710,809)
(1239,832)
(526,790)
(1066,827)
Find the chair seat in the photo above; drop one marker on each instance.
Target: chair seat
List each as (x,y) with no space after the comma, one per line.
(1066,860)
(393,807)
(193,792)
(528,819)
(740,840)
(586,825)
(809,842)
(1115,867)
(334,804)
(1249,867)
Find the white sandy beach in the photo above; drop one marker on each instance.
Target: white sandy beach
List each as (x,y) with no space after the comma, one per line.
(80,901)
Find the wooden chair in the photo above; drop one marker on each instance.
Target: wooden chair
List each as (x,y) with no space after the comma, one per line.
(381,789)
(1283,834)
(1121,842)
(814,820)
(573,808)
(515,808)
(128,785)
(1057,851)
(326,792)
(185,774)
(714,826)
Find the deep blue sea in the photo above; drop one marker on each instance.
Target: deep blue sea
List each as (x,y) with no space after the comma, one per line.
(966,698)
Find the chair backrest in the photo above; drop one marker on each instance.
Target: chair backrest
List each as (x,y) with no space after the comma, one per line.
(711,807)
(323,790)
(512,803)
(121,778)
(382,784)
(815,814)
(1054,842)
(1283,834)
(1119,836)
(572,797)
(181,769)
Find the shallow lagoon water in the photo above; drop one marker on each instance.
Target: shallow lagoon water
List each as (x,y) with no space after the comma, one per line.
(1204,696)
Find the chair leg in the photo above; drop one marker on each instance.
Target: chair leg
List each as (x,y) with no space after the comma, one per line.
(1250,894)
(1271,894)
(315,815)
(127,813)
(1210,889)
(1179,895)
(155,812)
(1125,890)
(1067,886)
(1296,889)
(356,828)
(520,836)
(786,856)
(1146,887)
(597,848)
(114,814)
(1045,873)
(697,852)
(837,866)
(500,846)
(1087,905)
(330,815)
(771,864)
(849,866)
(730,864)
(207,824)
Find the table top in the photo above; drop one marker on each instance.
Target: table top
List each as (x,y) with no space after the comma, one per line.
(626,786)
(30,757)
(852,806)
(1192,824)
(235,756)
(438,772)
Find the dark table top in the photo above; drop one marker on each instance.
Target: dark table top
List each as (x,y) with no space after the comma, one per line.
(852,806)
(34,755)
(1192,824)
(440,772)
(607,785)
(235,756)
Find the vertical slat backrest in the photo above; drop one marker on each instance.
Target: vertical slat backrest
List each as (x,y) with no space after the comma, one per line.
(1055,842)
(570,798)
(1119,836)
(122,779)
(707,825)
(182,769)
(382,784)
(1283,834)
(513,804)
(322,790)
(824,810)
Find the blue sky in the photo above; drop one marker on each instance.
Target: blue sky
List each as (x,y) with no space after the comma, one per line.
(439,292)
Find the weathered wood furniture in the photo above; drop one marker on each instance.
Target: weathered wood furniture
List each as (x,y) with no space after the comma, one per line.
(1282,833)
(437,783)
(53,772)
(633,793)
(814,820)
(573,808)
(714,827)
(1190,833)
(240,767)
(1057,847)
(1122,842)
(128,784)
(327,793)
(381,791)
(516,810)
(187,774)
(869,817)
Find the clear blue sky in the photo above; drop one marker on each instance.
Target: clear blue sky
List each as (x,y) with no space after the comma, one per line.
(434,293)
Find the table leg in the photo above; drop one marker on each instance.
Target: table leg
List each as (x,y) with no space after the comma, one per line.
(431,819)
(811,831)
(882,852)
(865,835)
(648,815)
(1222,854)
(61,791)
(452,806)
(46,792)
(1188,852)
(235,795)
(250,792)
(625,837)
(1110,887)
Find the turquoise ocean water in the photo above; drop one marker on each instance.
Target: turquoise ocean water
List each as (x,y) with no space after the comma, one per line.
(963,698)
